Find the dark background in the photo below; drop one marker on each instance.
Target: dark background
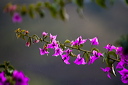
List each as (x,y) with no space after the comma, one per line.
(107,24)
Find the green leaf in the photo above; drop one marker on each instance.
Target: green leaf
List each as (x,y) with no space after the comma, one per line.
(112,53)
(42,14)
(81,45)
(95,49)
(39,10)
(80,12)
(31,11)
(2,66)
(39,4)
(62,46)
(11,67)
(87,56)
(23,10)
(53,10)
(61,3)
(10,70)
(63,14)
(67,41)
(17,35)
(23,30)
(80,3)
(107,60)
(105,57)
(6,63)
(22,36)
(47,4)
(126,1)
(101,3)
(57,1)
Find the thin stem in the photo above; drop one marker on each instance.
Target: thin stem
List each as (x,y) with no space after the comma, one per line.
(114,59)
(48,42)
(76,48)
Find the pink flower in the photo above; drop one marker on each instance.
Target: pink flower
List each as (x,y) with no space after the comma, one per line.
(2,78)
(79,60)
(65,58)
(120,64)
(53,37)
(107,69)
(20,78)
(58,51)
(16,18)
(43,51)
(78,41)
(68,51)
(36,41)
(10,8)
(44,34)
(53,44)
(119,50)
(124,75)
(94,41)
(95,56)
(110,47)
(28,44)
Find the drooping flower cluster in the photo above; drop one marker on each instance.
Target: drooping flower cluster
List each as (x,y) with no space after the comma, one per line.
(18,77)
(65,54)
(94,55)
(83,57)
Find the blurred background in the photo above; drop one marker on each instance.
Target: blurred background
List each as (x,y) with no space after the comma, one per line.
(107,24)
